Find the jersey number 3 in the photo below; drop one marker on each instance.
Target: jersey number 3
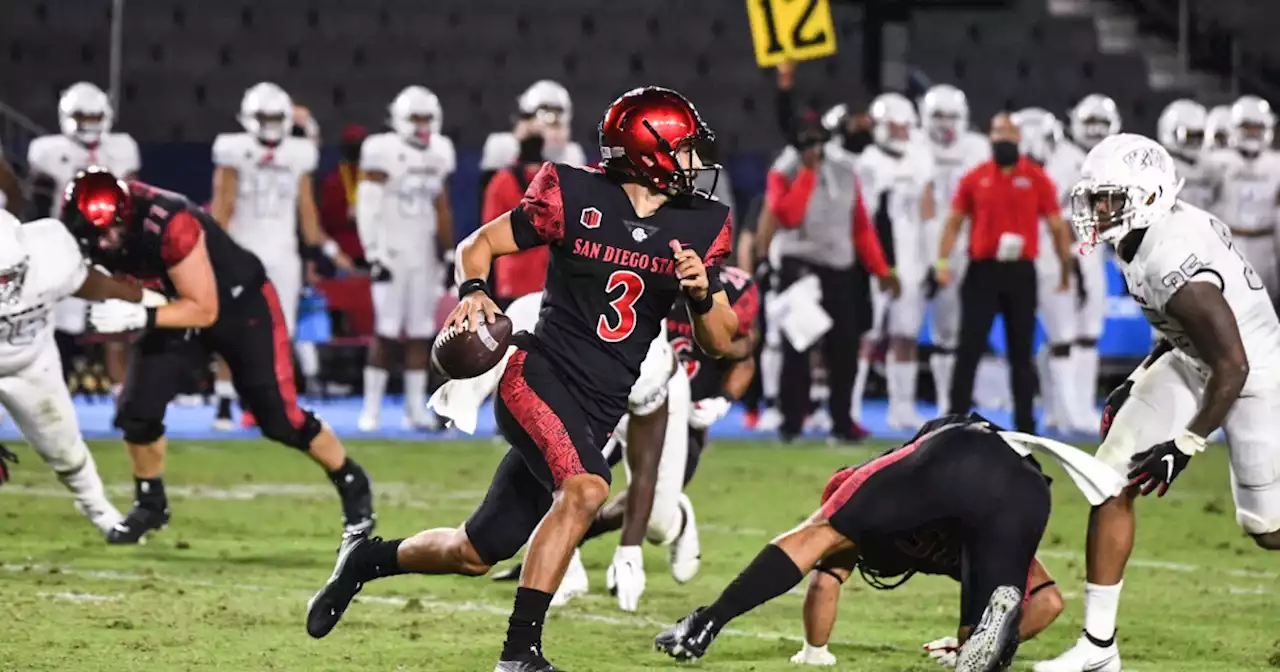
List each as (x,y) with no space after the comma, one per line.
(624,307)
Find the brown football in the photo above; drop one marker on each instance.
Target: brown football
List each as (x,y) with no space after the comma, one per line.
(461,353)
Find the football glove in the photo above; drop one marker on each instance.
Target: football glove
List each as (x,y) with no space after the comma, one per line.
(814,655)
(943,651)
(707,411)
(6,455)
(1112,405)
(114,316)
(378,272)
(1158,466)
(625,578)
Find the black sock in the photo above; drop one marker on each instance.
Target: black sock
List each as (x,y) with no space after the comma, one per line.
(598,527)
(349,478)
(524,628)
(224,408)
(376,558)
(771,574)
(148,493)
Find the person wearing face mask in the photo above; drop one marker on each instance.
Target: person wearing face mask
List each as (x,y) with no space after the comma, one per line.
(263,196)
(546,110)
(338,194)
(1003,200)
(1250,186)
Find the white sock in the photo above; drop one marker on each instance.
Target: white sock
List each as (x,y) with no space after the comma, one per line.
(415,392)
(860,387)
(308,359)
(1084,361)
(1062,380)
(375,385)
(1100,606)
(942,364)
(819,393)
(770,371)
(906,373)
(224,389)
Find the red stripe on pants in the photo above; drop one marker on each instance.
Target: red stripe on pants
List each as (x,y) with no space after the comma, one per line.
(854,478)
(539,421)
(283,357)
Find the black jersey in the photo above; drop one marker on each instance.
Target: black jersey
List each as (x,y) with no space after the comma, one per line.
(161,231)
(611,278)
(706,373)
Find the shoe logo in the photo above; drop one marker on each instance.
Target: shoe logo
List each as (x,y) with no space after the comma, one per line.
(1168,463)
(121,527)
(1100,664)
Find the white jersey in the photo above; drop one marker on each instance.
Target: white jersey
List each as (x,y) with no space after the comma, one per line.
(55,270)
(1190,245)
(1202,181)
(1249,189)
(415,177)
(898,184)
(952,162)
(60,157)
(502,150)
(1063,167)
(265,219)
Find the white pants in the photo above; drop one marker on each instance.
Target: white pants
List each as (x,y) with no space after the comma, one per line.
(1056,309)
(945,326)
(71,315)
(1260,252)
(285,273)
(37,399)
(1165,399)
(1093,311)
(899,317)
(407,304)
(664,518)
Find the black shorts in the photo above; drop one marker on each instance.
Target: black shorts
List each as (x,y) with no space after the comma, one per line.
(964,479)
(697,443)
(552,438)
(251,336)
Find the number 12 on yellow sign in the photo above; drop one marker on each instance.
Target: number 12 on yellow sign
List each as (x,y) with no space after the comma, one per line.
(791,30)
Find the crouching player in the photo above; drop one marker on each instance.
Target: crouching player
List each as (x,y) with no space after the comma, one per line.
(960,488)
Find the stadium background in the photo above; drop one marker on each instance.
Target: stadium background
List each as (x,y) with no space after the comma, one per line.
(176,69)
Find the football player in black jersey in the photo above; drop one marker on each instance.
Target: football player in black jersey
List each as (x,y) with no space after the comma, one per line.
(219,301)
(626,240)
(956,491)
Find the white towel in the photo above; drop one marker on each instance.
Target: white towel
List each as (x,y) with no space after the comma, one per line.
(460,400)
(1095,479)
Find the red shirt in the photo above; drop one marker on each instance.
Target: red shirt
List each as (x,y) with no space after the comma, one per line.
(788,200)
(524,272)
(999,203)
(337,209)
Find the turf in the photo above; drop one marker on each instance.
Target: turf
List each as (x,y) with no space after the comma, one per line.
(255,528)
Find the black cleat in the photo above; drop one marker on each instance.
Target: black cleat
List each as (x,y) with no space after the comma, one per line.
(327,606)
(690,638)
(358,518)
(511,573)
(991,646)
(137,525)
(532,661)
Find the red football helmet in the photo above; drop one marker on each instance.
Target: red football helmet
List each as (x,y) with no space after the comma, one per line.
(644,129)
(95,207)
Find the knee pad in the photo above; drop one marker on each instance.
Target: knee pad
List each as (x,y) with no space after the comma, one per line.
(139,430)
(278,428)
(1256,525)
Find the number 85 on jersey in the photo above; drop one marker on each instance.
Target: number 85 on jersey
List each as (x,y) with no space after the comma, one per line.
(791,30)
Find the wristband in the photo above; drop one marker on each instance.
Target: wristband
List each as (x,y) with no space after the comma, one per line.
(151,318)
(941,264)
(1190,443)
(472,286)
(330,248)
(700,306)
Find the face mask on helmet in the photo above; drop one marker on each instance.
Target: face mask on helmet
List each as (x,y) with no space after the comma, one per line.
(1189,140)
(270,128)
(944,128)
(421,125)
(1096,129)
(89,127)
(1107,212)
(1251,137)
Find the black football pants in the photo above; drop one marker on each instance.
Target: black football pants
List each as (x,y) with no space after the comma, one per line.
(1009,288)
(840,349)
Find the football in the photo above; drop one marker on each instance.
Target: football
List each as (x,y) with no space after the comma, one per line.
(461,353)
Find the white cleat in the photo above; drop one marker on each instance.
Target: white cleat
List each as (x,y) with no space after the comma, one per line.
(770,420)
(814,655)
(820,421)
(368,422)
(1085,656)
(223,424)
(101,513)
(685,553)
(422,421)
(992,645)
(574,584)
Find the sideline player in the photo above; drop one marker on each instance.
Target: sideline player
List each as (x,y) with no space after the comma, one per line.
(406,227)
(1194,285)
(546,110)
(219,289)
(1249,171)
(1182,130)
(85,119)
(956,150)
(40,265)
(626,240)
(262,195)
(962,498)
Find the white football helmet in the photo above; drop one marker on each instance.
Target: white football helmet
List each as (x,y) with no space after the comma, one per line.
(266,112)
(84,113)
(1181,127)
(548,101)
(1094,118)
(1040,131)
(892,119)
(1253,125)
(946,113)
(1128,181)
(415,114)
(1216,127)
(13,259)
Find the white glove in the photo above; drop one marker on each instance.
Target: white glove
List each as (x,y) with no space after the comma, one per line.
(706,411)
(625,578)
(814,655)
(115,316)
(944,651)
(153,299)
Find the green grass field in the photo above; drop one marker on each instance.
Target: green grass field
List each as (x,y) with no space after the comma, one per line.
(255,527)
